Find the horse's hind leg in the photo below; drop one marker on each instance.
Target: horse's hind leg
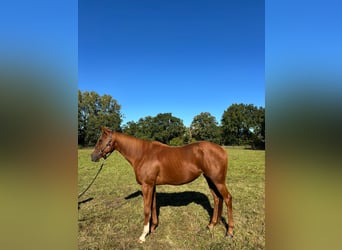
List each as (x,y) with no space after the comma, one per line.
(217,204)
(154,218)
(228,200)
(219,216)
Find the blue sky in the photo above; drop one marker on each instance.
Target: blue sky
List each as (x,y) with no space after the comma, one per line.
(183,57)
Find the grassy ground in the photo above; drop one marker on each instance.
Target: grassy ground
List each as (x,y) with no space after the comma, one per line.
(113,217)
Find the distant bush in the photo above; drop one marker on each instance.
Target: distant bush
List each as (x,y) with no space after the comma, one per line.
(177,141)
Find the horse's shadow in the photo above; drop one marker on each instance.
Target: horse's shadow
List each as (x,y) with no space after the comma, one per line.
(179,199)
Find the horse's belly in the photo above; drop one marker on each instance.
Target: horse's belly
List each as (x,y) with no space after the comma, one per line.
(178,176)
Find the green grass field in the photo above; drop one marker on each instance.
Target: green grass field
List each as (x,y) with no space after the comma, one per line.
(113,218)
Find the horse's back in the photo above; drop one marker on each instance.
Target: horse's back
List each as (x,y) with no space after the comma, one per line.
(198,151)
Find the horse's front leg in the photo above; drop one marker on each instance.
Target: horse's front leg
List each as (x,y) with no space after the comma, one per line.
(147,191)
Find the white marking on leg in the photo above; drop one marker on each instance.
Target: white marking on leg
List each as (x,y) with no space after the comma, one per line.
(145,232)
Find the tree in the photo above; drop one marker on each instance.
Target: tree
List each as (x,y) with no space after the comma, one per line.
(142,129)
(243,124)
(81,120)
(187,138)
(164,127)
(95,111)
(204,127)
(167,127)
(130,128)
(259,129)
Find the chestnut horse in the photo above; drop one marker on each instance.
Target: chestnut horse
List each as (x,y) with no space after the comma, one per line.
(155,163)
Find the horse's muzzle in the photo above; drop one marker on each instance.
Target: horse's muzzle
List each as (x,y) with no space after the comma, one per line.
(95,158)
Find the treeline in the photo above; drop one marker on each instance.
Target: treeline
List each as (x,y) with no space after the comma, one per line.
(241,124)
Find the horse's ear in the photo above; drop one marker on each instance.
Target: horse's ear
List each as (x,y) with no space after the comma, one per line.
(105,130)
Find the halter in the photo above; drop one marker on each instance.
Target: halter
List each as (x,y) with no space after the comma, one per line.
(107,145)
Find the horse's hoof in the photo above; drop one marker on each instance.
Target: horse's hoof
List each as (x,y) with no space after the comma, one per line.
(210,228)
(228,235)
(140,241)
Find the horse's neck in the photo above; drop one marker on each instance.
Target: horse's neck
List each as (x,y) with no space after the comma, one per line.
(131,148)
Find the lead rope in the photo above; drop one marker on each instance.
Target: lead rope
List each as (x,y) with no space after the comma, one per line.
(91,183)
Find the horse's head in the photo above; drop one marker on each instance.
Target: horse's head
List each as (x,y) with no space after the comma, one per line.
(104,145)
